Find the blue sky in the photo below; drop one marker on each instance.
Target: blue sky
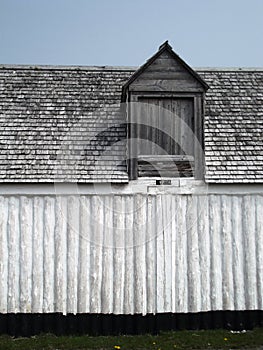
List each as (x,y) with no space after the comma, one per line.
(205,33)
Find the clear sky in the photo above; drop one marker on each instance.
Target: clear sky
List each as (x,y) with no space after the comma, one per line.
(205,33)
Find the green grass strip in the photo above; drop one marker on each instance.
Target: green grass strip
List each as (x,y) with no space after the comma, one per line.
(208,339)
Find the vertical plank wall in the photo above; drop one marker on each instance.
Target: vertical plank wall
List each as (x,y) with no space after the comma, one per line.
(127,254)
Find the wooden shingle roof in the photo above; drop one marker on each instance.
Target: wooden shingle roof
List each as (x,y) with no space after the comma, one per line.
(49,112)
(234,125)
(58,122)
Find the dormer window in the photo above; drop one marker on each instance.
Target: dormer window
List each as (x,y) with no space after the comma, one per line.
(165,118)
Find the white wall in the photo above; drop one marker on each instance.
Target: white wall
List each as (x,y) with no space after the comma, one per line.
(131,253)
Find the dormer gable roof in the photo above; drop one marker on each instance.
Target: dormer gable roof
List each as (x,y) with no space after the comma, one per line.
(165,50)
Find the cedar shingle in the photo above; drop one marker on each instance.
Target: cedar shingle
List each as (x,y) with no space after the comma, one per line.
(65,124)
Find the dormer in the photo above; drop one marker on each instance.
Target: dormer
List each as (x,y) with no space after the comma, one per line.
(165,112)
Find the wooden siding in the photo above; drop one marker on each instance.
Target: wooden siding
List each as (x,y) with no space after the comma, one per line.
(162,126)
(166,126)
(166,74)
(165,166)
(127,254)
(176,89)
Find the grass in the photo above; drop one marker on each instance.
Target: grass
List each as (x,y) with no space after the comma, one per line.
(212,339)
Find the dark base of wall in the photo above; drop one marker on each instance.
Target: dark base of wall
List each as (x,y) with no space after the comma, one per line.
(101,324)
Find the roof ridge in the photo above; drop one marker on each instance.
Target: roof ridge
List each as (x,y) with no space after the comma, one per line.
(67,67)
(229,69)
(119,68)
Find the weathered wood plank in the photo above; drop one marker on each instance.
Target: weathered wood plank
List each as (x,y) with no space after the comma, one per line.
(186,115)
(216,252)
(205,254)
(174,233)
(167,218)
(163,168)
(194,283)
(132,141)
(228,285)
(139,96)
(72,253)
(108,280)
(181,280)
(26,212)
(3,254)
(160,264)
(204,245)
(171,74)
(165,122)
(250,252)
(259,248)
(143,128)
(166,62)
(13,255)
(238,246)
(129,292)
(159,85)
(199,138)
(165,68)
(96,254)
(170,126)
(61,255)
(48,258)
(86,234)
(140,296)
(150,254)
(119,253)
(38,256)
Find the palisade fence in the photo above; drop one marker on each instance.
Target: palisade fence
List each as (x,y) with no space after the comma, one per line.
(131,253)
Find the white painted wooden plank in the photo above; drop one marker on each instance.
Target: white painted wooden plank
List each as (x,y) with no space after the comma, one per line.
(171,273)
(238,253)
(174,223)
(38,264)
(140,222)
(60,287)
(250,253)
(26,218)
(167,216)
(84,255)
(259,249)
(72,253)
(48,257)
(216,252)
(151,254)
(108,281)
(129,256)
(3,254)
(89,252)
(160,265)
(96,254)
(181,257)
(119,253)
(204,246)
(13,255)
(227,252)
(194,291)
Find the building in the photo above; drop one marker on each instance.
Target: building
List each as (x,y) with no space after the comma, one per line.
(130,199)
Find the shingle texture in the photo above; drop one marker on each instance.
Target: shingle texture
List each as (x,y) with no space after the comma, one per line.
(62,124)
(65,124)
(234,125)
